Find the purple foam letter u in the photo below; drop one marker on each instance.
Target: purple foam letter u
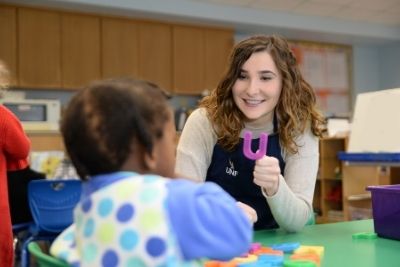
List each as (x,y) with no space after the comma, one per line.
(262,149)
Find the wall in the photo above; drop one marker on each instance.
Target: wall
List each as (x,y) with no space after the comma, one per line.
(365,70)
(389,66)
(376,68)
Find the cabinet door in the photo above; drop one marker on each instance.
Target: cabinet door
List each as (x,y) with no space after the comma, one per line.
(8,37)
(46,141)
(155,53)
(39,61)
(218,45)
(188,53)
(80,50)
(119,48)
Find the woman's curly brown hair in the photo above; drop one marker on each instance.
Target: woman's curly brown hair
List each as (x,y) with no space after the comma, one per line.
(295,110)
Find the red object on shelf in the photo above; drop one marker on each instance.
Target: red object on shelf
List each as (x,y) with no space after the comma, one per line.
(335,194)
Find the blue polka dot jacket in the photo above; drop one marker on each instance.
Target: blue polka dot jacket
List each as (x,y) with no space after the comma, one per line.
(128,219)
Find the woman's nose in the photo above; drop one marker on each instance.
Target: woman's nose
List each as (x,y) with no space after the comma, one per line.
(252,88)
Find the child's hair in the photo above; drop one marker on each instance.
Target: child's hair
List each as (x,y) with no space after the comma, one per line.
(107,121)
(4,78)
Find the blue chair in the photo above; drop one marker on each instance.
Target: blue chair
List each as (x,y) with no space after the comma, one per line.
(51,203)
(21,218)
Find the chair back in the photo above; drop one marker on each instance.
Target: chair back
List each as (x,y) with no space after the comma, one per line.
(52,203)
(17,182)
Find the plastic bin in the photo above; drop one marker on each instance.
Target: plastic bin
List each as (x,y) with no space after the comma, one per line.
(386,210)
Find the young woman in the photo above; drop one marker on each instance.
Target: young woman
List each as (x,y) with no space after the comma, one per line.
(261,91)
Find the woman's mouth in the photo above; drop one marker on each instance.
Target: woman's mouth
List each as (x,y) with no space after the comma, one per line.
(252,102)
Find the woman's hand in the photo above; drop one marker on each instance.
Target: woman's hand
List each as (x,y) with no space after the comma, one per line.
(249,211)
(266,174)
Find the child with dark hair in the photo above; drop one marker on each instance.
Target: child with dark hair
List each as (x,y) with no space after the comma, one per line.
(120,136)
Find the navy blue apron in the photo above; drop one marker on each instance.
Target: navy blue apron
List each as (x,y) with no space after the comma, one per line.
(234,173)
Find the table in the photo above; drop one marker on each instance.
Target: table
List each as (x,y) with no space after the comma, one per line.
(340,248)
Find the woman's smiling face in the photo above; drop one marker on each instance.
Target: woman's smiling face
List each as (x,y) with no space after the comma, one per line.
(257,90)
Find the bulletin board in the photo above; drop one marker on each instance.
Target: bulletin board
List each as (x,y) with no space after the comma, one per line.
(328,68)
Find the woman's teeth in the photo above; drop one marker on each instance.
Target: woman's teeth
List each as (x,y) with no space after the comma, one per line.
(253,102)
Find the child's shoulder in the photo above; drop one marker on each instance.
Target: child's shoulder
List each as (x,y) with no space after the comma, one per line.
(133,189)
(188,187)
(140,180)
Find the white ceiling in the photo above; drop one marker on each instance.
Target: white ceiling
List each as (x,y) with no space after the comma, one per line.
(384,12)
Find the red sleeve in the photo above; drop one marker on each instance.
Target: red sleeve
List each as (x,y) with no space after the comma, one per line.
(14,165)
(14,142)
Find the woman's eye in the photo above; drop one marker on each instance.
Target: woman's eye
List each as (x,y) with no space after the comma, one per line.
(266,78)
(242,77)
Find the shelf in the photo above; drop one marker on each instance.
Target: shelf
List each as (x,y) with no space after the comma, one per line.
(328,198)
(359,197)
(356,178)
(335,215)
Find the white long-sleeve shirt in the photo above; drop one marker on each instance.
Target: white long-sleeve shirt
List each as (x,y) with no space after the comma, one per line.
(291,206)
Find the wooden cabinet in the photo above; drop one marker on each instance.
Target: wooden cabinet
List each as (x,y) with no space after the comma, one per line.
(188,52)
(137,49)
(80,50)
(181,59)
(39,44)
(62,50)
(119,48)
(200,57)
(46,141)
(8,37)
(57,50)
(218,45)
(328,190)
(155,53)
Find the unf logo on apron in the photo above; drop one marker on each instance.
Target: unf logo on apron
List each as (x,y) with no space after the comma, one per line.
(231,169)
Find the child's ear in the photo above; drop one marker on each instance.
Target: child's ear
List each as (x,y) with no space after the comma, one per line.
(150,160)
